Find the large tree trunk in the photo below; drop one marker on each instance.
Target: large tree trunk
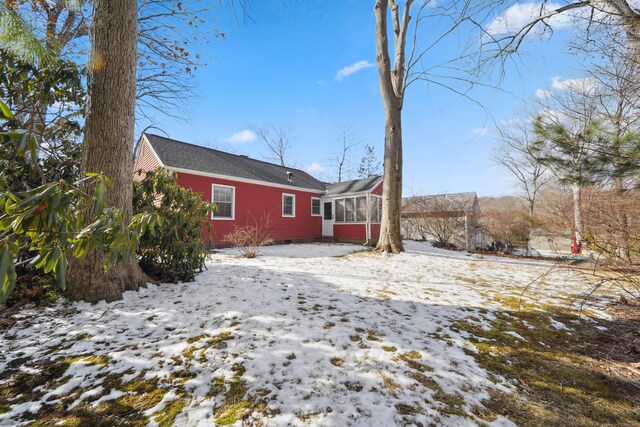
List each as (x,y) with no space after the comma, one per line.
(390,233)
(108,140)
(577,212)
(392,89)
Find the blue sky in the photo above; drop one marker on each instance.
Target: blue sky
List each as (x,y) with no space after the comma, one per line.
(284,67)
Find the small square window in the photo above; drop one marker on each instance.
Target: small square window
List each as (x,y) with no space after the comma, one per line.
(288,205)
(315,207)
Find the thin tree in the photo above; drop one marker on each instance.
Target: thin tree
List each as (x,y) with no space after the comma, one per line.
(568,151)
(444,19)
(277,140)
(369,164)
(341,161)
(517,154)
(108,140)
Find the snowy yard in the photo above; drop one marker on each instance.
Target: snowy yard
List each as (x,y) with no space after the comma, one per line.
(308,334)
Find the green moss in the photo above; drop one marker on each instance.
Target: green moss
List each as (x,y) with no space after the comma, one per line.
(371,336)
(102,360)
(307,416)
(189,352)
(411,355)
(232,413)
(195,339)
(167,416)
(217,387)
(552,369)
(182,376)
(234,405)
(218,339)
(238,369)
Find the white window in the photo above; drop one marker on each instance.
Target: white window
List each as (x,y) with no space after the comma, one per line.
(351,209)
(288,205)
(376,209)
(340,210)
(315,206)
(361,209)
(224,196)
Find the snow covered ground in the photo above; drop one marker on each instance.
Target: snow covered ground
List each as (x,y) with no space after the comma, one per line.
(310,334)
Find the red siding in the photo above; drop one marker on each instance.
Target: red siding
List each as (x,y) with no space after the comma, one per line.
(350,231)
(259,202)
(375,231)
(145,161)
(378,189)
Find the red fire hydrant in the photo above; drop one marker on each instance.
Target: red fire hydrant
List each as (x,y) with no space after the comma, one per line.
(575,249)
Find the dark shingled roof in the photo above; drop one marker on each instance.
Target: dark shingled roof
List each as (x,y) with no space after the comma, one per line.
(354,186)
(183,155)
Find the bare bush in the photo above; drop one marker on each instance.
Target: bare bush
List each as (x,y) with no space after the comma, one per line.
(251,237)
(508,222)
(440,218)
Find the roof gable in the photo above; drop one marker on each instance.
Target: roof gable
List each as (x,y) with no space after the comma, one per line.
(182,155)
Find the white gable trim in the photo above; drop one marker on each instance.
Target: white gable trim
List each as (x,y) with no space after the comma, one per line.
(248,181)
(153,150)
(145,141)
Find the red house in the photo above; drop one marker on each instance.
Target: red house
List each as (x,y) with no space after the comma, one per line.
(298,206)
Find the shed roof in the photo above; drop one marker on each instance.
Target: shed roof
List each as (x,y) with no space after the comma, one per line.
(354,186)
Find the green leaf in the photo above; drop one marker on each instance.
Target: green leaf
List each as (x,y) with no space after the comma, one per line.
(61,271)
(4,261)
(6,111)
(7,273)
(99,195)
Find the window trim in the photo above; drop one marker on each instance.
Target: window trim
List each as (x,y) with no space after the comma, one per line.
(319,206)
(376,198)
(233,203)
(355,210)
(293,205)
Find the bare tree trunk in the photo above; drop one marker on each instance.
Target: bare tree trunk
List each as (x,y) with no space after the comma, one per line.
(108,140)
(577,212)
(392,88)
(390,233)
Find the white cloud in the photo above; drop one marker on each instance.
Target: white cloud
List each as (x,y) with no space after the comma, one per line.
(241,137)
(480,131)
(543,93)
(314,167)
(584,84)
(353,68)
(520,14)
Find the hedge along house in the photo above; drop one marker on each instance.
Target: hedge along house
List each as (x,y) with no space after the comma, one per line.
(246,191)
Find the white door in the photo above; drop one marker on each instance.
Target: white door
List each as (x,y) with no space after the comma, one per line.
(327,219)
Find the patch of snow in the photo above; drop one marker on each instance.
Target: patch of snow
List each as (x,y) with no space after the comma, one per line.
(516,335)
(319,334)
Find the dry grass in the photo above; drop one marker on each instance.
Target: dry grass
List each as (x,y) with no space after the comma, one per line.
(562,378)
